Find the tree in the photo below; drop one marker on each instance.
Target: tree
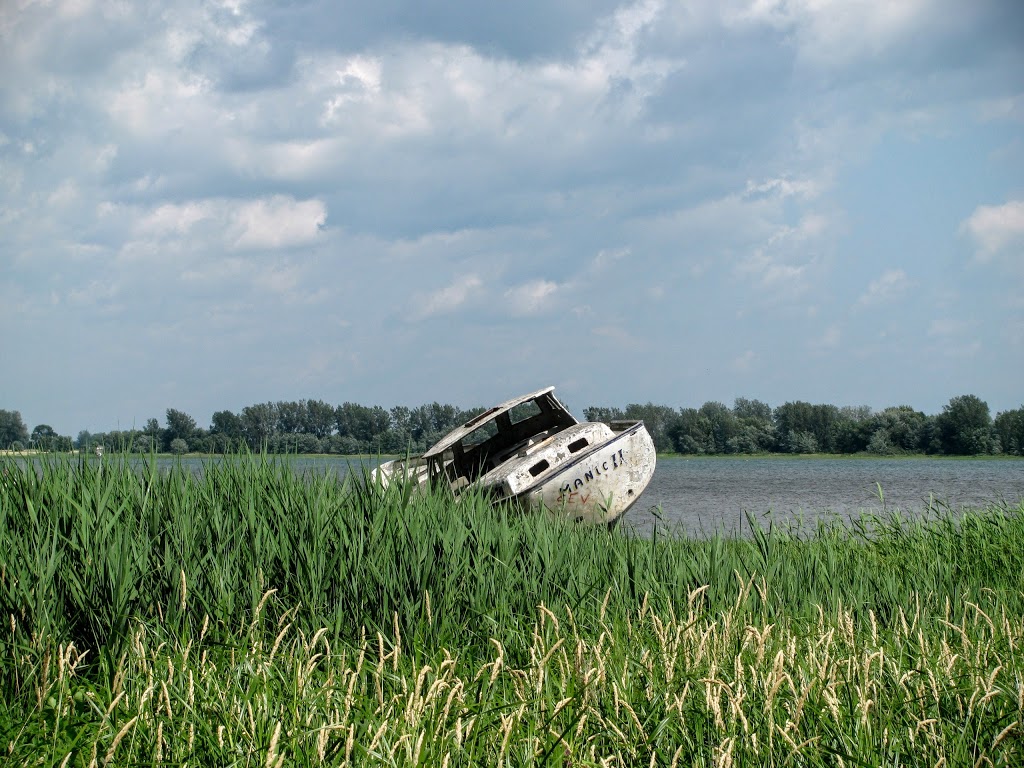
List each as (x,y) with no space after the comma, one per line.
(44,438)
(691,432)
(903,427)
(801,442)
(799,419)
(603,414)
(965,426)
(295,443)
(12,429)
(179,446)
(722,425)
(145,444)
(752,411)
(291,417)
(226,423)
(319,419)
(84,441)
(353,420)
(226,431)
(755,430)
(879,443)
(659,420)
(853,429)
(258,422)
(180,426)
(793,419)
(1009,427)
(401,429)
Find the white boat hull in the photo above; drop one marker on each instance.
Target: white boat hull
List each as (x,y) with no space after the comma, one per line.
(532,452)
(599,487)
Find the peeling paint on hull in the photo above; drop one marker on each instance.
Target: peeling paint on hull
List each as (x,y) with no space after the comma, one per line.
(599,488)
(534,453)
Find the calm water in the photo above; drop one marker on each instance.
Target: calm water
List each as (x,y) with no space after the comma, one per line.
(698,495)
(709,494)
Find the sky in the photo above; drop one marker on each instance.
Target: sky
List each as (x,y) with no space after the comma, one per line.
(208,205)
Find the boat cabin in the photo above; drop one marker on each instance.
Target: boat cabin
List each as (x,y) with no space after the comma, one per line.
(492,437)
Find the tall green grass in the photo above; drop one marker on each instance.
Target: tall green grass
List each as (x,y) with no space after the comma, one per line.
(249,613)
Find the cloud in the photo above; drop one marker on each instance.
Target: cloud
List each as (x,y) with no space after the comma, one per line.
(531,298)
(174,218)
(267,223)
(829,338)
(277,222)
(891,285)
(606,257)
(800,188)
(224,176)
(946,327)
(448,299)
(997,230)
(744,362)
(784,266)
(835,33)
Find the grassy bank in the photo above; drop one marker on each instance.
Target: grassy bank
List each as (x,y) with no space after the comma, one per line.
(254,616)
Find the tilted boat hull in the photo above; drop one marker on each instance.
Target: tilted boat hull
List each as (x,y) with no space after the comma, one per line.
(600,486)
(530,451)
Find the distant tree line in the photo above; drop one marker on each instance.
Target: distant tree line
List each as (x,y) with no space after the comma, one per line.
(964,427)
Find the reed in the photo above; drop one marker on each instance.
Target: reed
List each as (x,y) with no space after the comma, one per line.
(253,615)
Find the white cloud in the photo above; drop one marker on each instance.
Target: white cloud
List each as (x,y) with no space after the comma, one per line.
(997,230)
(776,278)
(701,155)
(276,222)
(606,258)
(744,362)
(448,299)
(891,285)
(945,327)
(828,339)
(267,223)
(836,32)
(65,194)
(174,218)
(531,298)
(164,102)
(783,188)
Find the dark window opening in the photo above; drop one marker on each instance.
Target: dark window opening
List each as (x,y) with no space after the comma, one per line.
(524,411)
(577,445)
(539,467)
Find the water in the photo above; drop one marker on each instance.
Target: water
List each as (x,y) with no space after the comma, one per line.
(715,494)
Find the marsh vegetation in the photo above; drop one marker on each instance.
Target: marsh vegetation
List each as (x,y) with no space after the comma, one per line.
(253,615)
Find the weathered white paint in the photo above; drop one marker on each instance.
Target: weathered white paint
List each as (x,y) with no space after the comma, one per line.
(589,471)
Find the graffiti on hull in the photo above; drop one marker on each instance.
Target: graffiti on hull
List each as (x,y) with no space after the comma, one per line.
(575,491)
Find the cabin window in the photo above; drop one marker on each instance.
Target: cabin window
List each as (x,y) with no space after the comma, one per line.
(480,417)
(539,467)
(481,434)
(524,411)
(578,445)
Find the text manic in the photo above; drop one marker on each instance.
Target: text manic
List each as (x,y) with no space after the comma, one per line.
(616,460)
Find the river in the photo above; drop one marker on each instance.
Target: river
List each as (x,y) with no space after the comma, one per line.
(716,494)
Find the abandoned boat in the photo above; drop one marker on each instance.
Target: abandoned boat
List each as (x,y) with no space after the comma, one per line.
(533,452)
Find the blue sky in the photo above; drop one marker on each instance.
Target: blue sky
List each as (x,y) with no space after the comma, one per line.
(209,205)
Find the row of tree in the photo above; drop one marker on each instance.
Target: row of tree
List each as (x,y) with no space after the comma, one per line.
(965,427)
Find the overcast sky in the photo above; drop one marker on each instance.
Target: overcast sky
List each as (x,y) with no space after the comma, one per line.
(209,205)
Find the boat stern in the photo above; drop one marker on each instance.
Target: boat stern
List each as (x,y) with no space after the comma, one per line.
(600,486)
